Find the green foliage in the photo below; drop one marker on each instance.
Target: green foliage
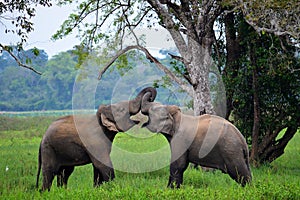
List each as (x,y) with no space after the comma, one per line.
(270,64)
(278,88)
(18,165)
(21,90)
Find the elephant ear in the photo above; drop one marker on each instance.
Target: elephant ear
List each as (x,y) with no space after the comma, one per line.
(173,109)
(108,124)
(106,118)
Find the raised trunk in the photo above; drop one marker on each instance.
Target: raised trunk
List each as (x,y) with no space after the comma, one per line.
(135,104)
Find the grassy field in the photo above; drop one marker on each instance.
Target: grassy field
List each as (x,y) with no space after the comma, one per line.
(20,138)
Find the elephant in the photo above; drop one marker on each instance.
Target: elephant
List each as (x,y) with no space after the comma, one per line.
(206,140)
(76,140)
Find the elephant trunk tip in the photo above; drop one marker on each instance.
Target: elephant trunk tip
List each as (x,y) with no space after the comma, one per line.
(148,93)
(146,103)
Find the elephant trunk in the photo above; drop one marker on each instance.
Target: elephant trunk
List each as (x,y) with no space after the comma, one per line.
(146,104)
(147,94)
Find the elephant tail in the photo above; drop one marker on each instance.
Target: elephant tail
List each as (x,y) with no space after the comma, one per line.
(39,168)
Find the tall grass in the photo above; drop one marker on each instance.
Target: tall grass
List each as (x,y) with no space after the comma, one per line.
(20,138)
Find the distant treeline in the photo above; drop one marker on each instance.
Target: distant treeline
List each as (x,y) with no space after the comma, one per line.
(23,90)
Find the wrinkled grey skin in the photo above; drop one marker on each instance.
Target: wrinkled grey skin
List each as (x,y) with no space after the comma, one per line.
(78,140)
(207,140)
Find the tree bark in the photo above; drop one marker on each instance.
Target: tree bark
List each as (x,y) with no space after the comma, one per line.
(196,22)
(276,149)
(233,50)
(199,70)
(254,158)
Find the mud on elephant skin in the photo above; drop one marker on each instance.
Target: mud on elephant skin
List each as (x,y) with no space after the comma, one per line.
(78,140)
(207,140)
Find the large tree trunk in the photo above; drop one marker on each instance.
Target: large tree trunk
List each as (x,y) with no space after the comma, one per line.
(199,71)
(196,20)
(254,158)
(233,50)
(270,148)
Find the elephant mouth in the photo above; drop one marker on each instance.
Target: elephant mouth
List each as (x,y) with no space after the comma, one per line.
(145,125)
(148,125)
(135,121)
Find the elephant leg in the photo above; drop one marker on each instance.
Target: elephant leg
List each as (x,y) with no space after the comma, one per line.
(177,169)
(98,179)
(59,178)
(63,175)
(48,176)
(108,173)
(102,172)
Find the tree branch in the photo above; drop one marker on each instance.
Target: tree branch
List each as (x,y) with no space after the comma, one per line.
(277,19)
(181,83)
(275,150)
(18,61)
(181,59)
(171,27)
(184,13)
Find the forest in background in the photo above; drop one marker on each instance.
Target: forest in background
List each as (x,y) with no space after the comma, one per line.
(22,90)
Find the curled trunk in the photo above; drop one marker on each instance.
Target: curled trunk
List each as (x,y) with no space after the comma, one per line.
(146,103)
(148,94)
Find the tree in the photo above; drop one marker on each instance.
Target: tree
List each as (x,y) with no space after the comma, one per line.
(261,76)
(19,13)
(275,93)
(190,24)
(59,79)
(193,19)
(23,91)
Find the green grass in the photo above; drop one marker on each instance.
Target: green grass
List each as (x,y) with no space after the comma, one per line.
(20,138)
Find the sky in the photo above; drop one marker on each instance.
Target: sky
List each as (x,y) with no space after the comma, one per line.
(48,20)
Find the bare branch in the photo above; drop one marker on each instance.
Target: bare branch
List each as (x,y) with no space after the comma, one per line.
(129,26)
(170,74)
(184,13)
(143,16)
(171,27)
(181,59)
(96,25)
(18,61)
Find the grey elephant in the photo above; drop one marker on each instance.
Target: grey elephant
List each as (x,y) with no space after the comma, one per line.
(207,140)
(78,140)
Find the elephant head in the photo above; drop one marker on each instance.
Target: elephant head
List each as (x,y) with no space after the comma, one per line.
(116,117)
(161,118)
